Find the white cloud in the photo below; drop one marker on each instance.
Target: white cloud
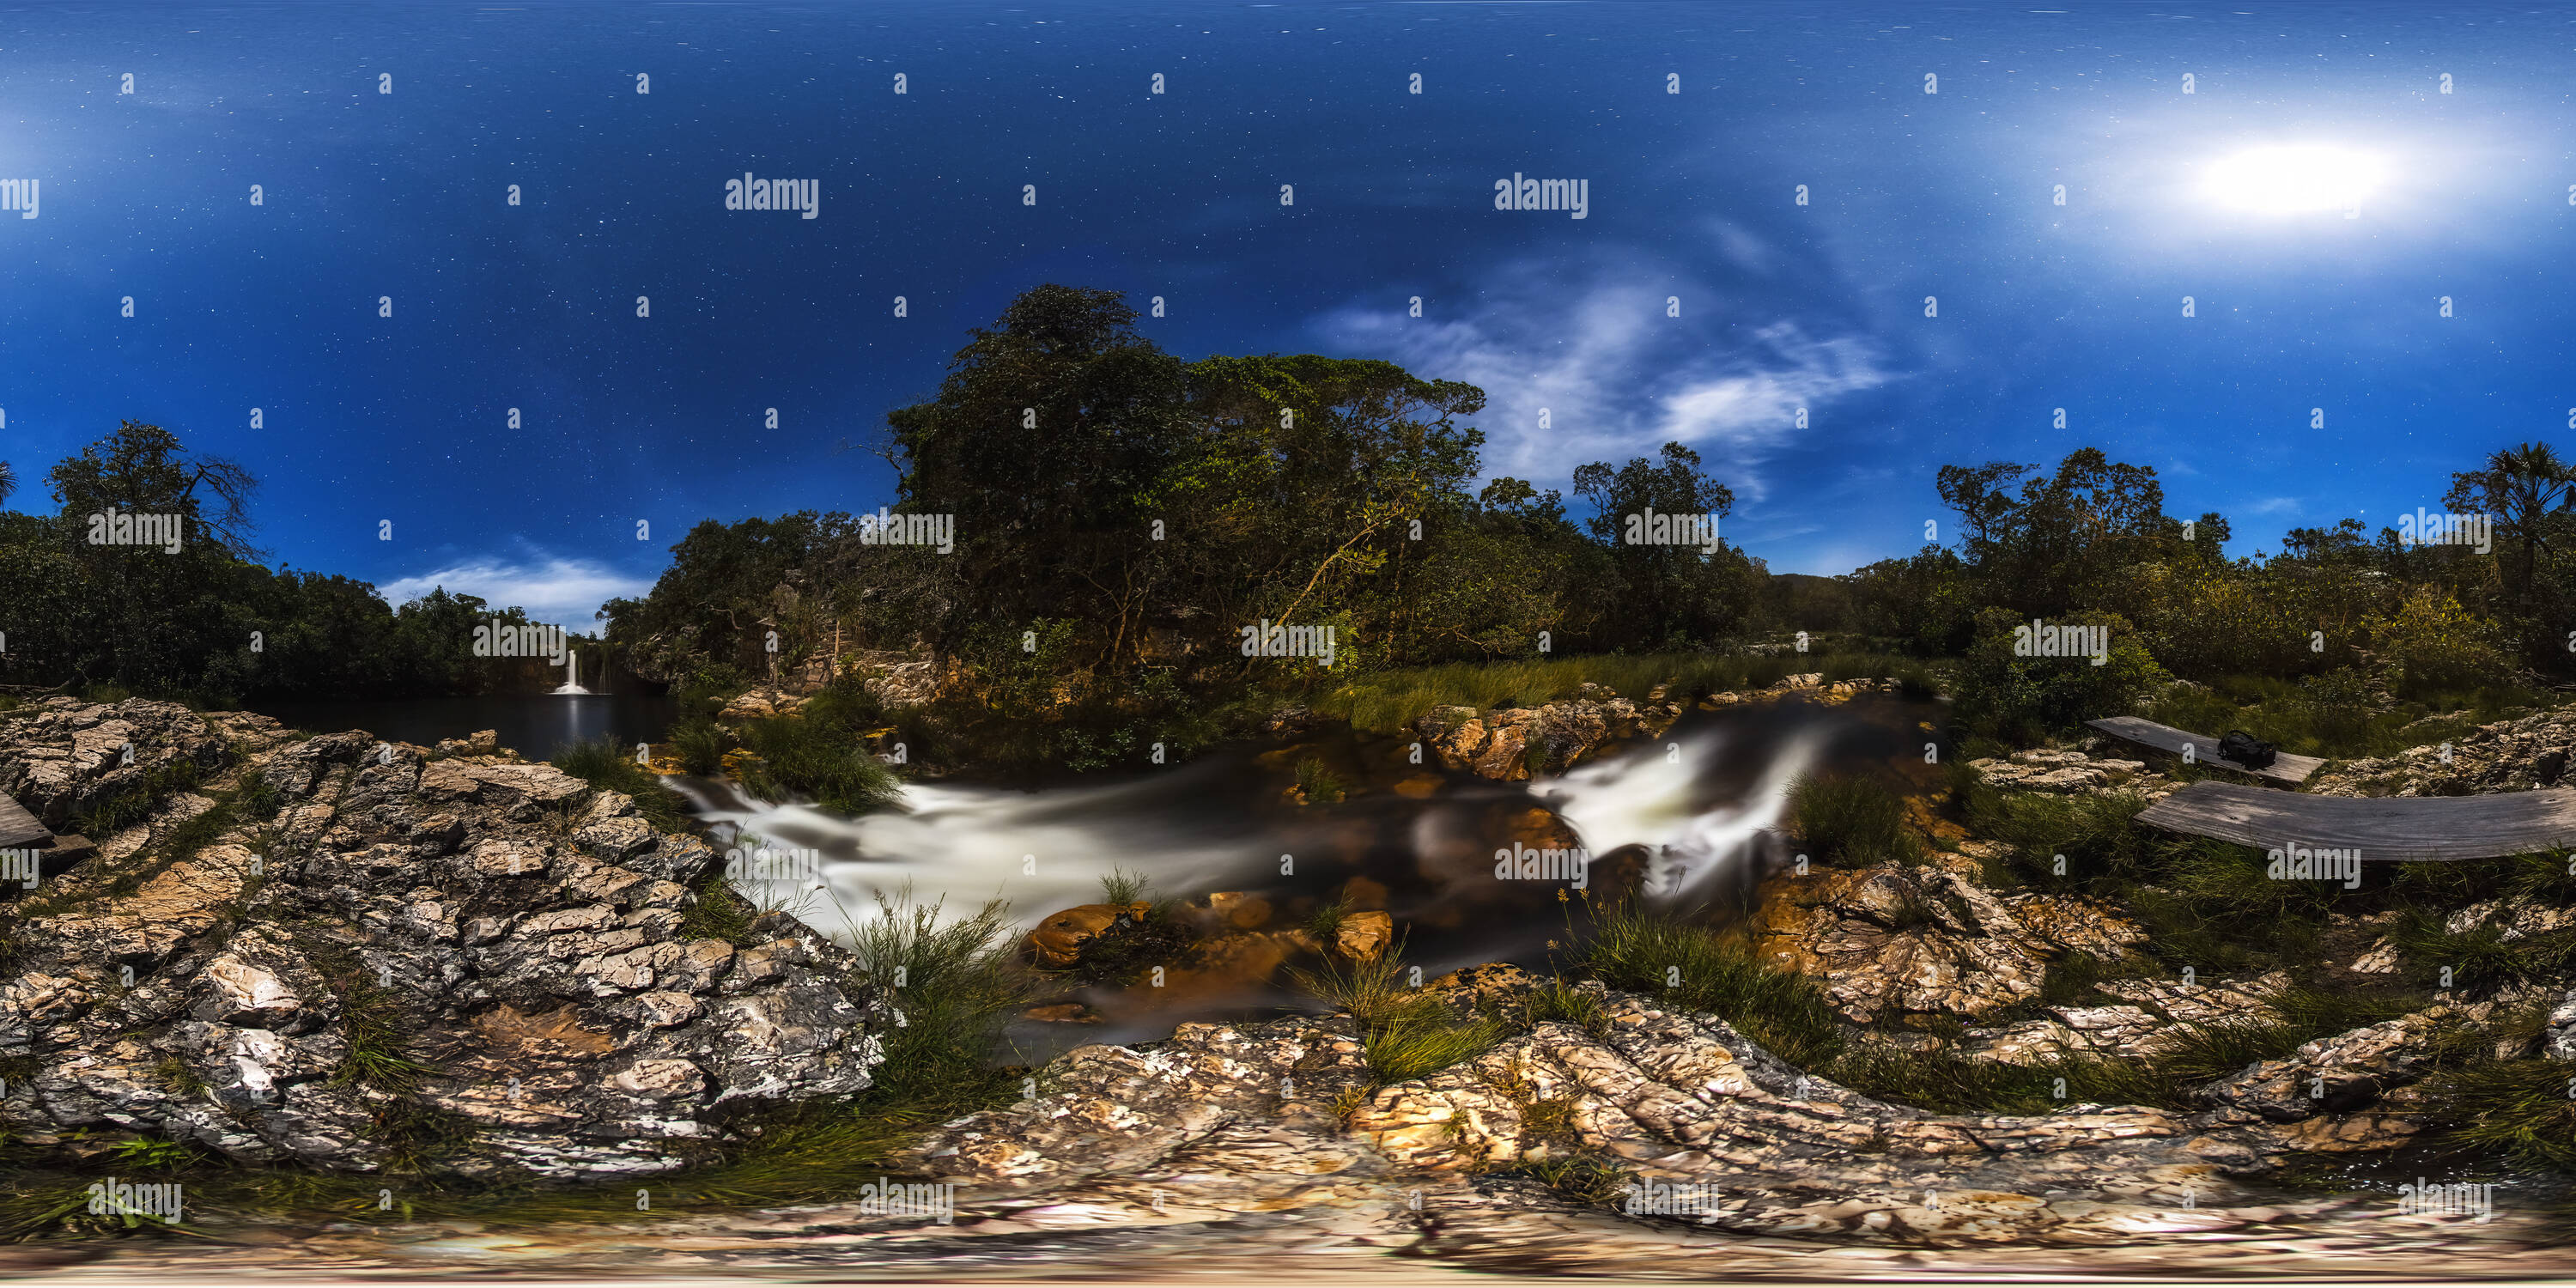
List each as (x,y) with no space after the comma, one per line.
(553,589)
(1619,379)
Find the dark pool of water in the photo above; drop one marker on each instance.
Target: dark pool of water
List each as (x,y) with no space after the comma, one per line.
(536,725)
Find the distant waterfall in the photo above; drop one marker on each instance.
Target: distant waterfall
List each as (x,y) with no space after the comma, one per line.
(572,678)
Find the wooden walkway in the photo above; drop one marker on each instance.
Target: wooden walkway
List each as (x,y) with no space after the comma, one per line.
(2285,770)
(2383,828)
(18,828)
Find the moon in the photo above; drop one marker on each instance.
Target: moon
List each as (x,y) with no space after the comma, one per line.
(2294,179)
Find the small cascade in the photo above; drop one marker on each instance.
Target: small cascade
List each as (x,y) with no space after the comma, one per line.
(572,677)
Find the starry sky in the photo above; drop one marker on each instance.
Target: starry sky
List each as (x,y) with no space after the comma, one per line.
(2299,315)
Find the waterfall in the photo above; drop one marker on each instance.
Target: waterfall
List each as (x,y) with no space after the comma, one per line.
(572,678)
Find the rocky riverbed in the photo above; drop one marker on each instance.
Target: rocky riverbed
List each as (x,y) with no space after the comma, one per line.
(225,974)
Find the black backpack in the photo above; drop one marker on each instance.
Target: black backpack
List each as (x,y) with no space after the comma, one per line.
(2246,749)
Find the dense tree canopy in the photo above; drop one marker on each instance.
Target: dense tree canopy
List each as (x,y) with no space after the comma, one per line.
(206,620)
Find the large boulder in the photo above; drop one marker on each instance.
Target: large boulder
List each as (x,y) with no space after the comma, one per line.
(465,964)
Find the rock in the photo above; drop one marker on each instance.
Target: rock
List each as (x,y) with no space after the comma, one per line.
(1892,940)
(2380,960)
(1672,1098)
(2147,1021)
(563,1023)
(1058,939)
(62,756)
(2333,1075)
(1364,934)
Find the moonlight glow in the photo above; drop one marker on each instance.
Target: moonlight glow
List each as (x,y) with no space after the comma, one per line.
(2294,180)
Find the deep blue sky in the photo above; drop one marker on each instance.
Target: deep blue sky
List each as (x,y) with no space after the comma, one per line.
(1947,195)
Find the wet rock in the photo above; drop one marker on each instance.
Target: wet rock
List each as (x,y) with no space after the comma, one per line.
(560,1020)
(1364,934)
(1503,744)
(2334,1075)
(1058,939)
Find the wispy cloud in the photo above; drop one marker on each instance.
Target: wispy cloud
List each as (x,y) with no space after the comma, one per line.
(1618,378)
(553,589)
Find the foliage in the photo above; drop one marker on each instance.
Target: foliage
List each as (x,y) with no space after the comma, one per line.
(2022,698)
(962,986)
(609,765)
(1852,819)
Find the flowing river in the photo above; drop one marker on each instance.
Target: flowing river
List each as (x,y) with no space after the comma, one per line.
(1689,818)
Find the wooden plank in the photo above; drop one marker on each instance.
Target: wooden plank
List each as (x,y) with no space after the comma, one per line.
(2383,828)
(20,828)
(2285,769)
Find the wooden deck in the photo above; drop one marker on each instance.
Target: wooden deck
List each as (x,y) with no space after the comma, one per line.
(18,828)
(2285,770)
(2383,828)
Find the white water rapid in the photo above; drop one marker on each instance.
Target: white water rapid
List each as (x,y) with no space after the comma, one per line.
(1047,850)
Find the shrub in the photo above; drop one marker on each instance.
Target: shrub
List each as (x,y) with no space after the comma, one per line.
(962,988)
(2431,643)
(817,759)
(609,766)
(1855,819)
(701,746)
(1318,782)
(2024,698)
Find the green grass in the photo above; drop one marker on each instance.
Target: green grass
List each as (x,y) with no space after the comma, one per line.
(609,765)
(2524,1108)
(1121,887)
(1558,1001)
(1405,1033)
(718,912)
(1854,820)
(1318,782)
(818,759)
(135,802)
(961,987)
(1698,968)
(701,746)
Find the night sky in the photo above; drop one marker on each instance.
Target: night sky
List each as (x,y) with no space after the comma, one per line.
(1692,194)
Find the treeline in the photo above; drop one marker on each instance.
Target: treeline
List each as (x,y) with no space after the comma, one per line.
(208,621)
(1118,517)
(2353,619)
(1115,517)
